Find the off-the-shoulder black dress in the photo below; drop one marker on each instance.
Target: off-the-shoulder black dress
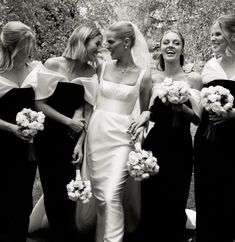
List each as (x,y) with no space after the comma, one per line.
(17,173)
(215,177)
(55,147)
(164,195)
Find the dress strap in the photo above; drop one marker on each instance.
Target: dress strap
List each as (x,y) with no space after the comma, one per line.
(102,70)
(140,78)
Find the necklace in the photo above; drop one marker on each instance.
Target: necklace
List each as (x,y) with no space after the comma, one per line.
(126,69)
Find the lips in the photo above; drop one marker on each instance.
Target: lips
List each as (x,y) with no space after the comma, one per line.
(170,51)
(215,45)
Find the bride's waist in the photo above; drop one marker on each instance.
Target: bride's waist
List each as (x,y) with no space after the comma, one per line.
(114,106)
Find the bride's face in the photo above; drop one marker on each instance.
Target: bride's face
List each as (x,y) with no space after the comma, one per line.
(219,43)
(171,47)
(114,45)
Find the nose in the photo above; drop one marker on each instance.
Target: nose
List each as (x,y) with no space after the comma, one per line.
(213,38)
(106,45)
(170,44)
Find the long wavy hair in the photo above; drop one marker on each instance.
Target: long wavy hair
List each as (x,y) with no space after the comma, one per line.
(227,26)
(161,62)
(76,47)
(15,37)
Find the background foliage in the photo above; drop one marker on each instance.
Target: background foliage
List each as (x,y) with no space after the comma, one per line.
(54,20)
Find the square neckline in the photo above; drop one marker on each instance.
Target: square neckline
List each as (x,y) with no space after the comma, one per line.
(140,76)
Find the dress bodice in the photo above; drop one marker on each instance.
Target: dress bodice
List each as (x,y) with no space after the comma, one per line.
(117,97)
(66,98)
(14,101)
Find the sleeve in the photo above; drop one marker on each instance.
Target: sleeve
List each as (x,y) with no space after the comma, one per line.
(209,72)
(91,86)
(47,81)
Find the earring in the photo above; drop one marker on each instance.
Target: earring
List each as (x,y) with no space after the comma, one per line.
(125,47)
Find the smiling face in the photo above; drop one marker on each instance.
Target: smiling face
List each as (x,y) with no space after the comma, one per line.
(171,47)
(115,45)
(219,43)
(93,47)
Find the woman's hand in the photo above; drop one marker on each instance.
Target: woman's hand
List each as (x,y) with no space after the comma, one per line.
(77,155)
(138,136)
(77,125)
(140,121)
(16,130)
(218,119)
(178,107)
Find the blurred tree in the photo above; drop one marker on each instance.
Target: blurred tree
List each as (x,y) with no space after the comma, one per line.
(54,20)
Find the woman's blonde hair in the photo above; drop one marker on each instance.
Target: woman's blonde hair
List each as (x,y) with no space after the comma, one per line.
(15,36)
(123,30)
(76,47)
(227,26)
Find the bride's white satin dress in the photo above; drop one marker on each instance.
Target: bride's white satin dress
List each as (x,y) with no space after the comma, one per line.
(108,147)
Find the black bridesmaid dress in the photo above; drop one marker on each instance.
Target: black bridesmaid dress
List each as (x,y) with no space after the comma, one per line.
(17,173)
(164,195)
(55,147)
(215,177)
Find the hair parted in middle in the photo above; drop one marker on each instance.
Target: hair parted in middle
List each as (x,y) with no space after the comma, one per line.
(76,47)
(161,62)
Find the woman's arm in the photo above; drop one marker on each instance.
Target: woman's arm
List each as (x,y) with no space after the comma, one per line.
(78,149)
(137,127)
(192,114)
(75,124)
(14,129)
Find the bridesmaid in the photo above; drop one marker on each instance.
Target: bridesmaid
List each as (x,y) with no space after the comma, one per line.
(214,160)
(17,173)
(122,81)
(60,95)
(164,196)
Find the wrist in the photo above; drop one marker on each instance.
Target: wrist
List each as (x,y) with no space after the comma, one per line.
(67,121)
(10,127)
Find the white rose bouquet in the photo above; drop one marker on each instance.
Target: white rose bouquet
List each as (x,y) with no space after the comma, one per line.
(216,100)
(30,122)
(79,189)
(141,164)
(175,92)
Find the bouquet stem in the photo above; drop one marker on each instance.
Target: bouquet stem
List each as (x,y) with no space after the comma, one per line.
(78,175)
(210,132)
(176,120)
(31,151)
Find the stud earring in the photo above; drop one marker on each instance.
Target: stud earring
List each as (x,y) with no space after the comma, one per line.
(125,47)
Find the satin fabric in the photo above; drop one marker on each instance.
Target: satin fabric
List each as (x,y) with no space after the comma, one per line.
(108,146)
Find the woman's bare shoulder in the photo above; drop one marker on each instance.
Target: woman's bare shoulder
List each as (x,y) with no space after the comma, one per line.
(54,63)
(195,80)
(157,76)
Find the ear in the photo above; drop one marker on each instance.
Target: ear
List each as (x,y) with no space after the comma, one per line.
(127,42)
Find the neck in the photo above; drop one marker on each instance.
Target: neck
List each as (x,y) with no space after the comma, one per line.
(75,64)
(228,59)
(172,69)
(125,62)
(19,67)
